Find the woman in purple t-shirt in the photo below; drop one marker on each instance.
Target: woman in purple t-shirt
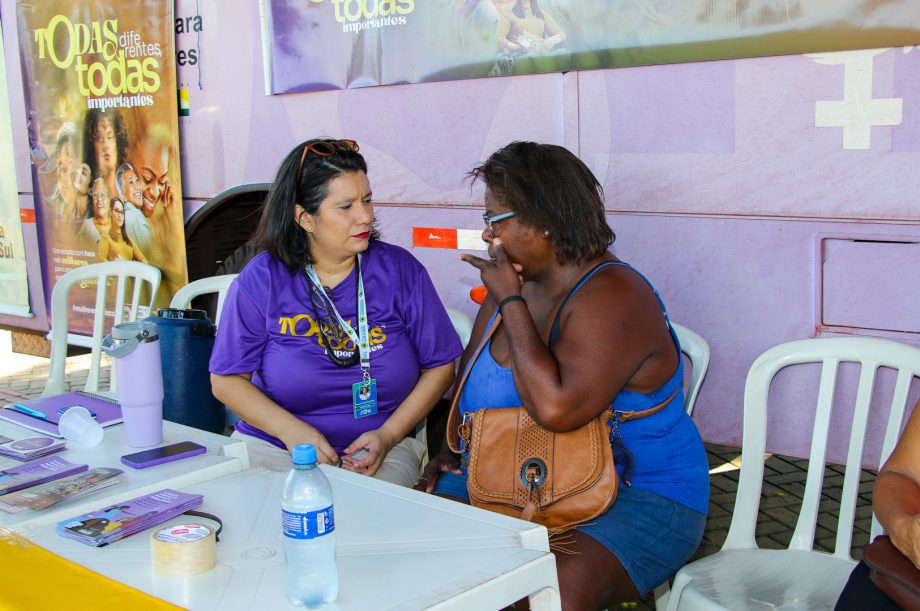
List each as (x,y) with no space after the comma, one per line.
(331,337)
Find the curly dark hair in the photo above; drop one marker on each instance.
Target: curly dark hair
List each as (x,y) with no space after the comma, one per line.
(278,231)
(93,117)
(550,188)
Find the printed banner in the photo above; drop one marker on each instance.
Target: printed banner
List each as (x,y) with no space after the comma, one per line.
(100,86)
(14,285)
(338,44)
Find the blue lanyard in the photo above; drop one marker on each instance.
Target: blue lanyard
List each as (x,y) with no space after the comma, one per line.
(359,338)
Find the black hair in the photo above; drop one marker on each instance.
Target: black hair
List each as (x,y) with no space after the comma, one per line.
(93,117)
(278,231)
(124,225)
(518,10)
(550,188)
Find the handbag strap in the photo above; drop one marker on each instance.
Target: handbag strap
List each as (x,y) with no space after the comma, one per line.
(453,418)
(626,416)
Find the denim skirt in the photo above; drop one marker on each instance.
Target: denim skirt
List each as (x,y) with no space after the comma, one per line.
(652,536)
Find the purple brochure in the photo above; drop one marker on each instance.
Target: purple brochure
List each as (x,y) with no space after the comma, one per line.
(37,472)
(29,448)
(115,522)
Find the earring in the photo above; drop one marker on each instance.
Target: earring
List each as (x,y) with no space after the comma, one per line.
(546,233)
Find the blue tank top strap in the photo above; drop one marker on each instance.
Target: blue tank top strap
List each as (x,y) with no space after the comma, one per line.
(555,330)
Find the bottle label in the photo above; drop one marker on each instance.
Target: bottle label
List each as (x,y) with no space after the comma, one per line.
(309,525)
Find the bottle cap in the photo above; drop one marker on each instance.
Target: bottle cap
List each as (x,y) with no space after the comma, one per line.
(142,330)
(182,313)
(304,454)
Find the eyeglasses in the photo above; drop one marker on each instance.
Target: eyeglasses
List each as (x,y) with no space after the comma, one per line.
(496,218)
(325,148)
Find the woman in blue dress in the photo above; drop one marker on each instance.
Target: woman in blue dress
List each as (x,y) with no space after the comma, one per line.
(582,331)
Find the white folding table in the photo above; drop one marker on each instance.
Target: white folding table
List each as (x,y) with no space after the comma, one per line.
(396,549)
(224,456)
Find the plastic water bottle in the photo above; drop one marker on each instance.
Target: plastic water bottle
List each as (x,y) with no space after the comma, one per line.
(308,525)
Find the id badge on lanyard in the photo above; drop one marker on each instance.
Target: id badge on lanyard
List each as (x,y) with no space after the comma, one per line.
(363,393)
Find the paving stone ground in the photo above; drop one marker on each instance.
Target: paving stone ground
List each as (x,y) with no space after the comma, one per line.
(784,477)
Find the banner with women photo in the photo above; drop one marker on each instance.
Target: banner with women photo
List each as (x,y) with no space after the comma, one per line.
(100,86)
(338,44)
(14,284)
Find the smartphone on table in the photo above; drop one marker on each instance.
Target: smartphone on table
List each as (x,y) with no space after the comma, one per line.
(164,454)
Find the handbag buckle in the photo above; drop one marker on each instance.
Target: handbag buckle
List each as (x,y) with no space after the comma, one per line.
(533,473)
(465,430)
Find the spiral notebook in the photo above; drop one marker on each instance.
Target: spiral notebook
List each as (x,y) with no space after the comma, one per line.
(107,411)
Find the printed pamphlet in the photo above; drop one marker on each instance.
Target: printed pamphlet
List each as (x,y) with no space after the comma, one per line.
(37,472)
(29,448)
(116,522)
(51,493)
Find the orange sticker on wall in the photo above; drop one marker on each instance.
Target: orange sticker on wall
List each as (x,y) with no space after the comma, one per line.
(27,215)
(434,237)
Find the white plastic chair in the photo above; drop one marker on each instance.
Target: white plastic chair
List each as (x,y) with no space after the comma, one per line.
(697,350)
(203,286)
(139,273)
(742,576)
(463,325)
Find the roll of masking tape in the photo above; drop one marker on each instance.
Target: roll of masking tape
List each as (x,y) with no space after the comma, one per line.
(183,550)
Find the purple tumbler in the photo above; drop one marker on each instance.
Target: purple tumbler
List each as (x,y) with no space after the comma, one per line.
(135,350)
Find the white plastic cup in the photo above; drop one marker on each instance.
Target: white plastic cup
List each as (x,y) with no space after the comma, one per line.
(78,425)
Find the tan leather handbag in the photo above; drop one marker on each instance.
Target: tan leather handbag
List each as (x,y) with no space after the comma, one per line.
(518,468)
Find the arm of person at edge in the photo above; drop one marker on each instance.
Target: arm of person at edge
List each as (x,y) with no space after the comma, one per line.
(255,407)
(431,386)
(446,461)
(896,499)
(613,336)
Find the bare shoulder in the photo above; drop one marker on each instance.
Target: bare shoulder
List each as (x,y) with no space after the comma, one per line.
(618,305)
(614,324)
(616,290)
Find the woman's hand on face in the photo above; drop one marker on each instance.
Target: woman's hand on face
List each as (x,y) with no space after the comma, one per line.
(378,444)
(501,277)
(905,534)
(307,434)
(169,194)
(444,462)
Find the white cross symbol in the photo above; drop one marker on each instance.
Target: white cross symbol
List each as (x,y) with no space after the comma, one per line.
(858,111)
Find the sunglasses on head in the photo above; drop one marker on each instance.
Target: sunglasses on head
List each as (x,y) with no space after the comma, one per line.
(325,148)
